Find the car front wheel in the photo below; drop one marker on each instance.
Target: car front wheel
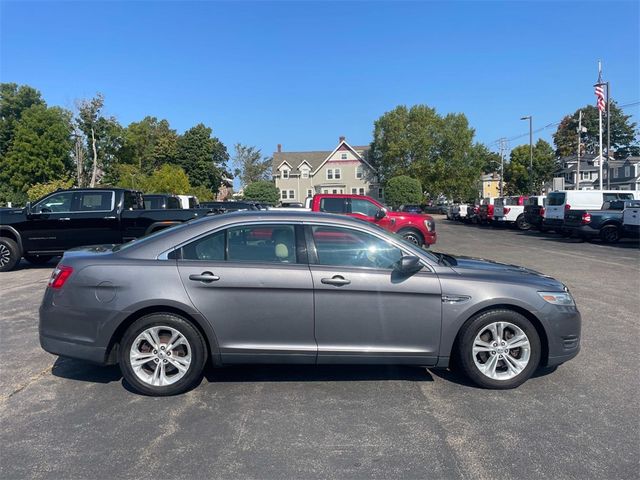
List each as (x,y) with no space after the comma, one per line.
(499,349)
(162,354)
(412,236)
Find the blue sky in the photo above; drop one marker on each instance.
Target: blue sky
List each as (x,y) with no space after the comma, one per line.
(304,73)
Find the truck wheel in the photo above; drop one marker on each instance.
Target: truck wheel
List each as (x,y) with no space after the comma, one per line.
(38,259)
(521,223)
(610,234)
(412,236)
(9,254)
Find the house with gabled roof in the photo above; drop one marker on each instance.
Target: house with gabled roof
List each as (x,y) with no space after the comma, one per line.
(345,169)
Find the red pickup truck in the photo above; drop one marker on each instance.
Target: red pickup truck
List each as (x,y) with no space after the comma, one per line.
(417,228)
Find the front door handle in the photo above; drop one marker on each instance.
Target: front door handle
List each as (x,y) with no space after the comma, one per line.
(65,219)
(337,280)
(108,218)
(204,277)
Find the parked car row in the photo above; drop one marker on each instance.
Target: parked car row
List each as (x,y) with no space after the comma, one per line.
(606,214)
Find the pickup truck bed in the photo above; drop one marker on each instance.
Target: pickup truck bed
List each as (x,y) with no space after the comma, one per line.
(72,218)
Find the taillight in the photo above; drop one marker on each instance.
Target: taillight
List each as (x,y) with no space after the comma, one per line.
(586,218)
(542,212)
(59,276)
(567,206)
(506,210)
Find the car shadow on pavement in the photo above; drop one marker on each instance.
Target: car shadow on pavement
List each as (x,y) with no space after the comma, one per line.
(85,372)
(459,378)
(316,373)
(24,265)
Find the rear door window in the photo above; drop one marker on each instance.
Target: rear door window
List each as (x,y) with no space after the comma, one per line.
(94,202)
(555,199)
(173,202)
(333,205)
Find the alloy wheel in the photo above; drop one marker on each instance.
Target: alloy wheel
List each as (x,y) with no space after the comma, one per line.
(160,356)
(501,350)
(5,255)
(412,237)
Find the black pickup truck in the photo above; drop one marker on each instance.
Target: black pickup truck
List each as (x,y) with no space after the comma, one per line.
(71,218)
(605,223)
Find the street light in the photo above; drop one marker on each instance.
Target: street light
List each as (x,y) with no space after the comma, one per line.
(530,118)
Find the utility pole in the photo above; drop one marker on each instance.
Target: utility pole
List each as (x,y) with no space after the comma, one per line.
(530,118)
(600,99)
(577,184)
(503,150)
(608,139)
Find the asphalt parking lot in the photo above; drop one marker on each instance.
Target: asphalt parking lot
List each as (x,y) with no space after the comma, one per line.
(66,419)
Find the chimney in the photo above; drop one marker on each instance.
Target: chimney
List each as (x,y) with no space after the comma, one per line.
(342,139)
(279,147)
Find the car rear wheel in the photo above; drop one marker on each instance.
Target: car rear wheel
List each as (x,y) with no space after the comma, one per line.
(162,354)
(9,254)
(499,349)
(37,259)
(521,223)
(610,234)
(412,236)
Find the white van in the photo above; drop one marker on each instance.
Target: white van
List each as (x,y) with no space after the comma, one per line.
(562,200)
(188,201)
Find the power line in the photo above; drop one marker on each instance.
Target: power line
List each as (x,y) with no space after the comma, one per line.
(554,124)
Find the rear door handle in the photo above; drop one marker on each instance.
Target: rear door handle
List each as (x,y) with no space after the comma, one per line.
(65,219)
(204,277)
(337,280)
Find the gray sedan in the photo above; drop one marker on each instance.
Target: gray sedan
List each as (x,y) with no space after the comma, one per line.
(304,288)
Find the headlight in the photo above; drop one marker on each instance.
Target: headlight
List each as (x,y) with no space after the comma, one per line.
(430,225)
(558,298)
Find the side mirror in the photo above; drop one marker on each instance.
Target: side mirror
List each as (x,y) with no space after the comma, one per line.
(27,209)
(380,214)
(408,264)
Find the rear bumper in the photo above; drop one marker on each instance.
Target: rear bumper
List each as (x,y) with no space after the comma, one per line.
(64,348)
(533,220)
(582,230)
(553,222)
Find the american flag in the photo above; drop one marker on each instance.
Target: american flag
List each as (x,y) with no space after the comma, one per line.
(600,97)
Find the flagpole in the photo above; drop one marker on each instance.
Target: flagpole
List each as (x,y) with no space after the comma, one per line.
(600,124)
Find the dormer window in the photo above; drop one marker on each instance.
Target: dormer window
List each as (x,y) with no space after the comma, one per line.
(285,173)
(304,173)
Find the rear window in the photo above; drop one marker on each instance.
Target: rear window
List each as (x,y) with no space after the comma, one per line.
(499,202)
(555,198)
(154,203)
(95,201)
(332,205)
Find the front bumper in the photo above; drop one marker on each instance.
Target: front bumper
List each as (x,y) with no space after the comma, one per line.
(430,238)
(563,327)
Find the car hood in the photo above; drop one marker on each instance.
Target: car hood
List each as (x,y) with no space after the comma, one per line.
(481,264)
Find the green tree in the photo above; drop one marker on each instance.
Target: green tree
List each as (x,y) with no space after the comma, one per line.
(250,165)
(149,144)
(436,150)
(262,191)
(202,157)
(624,135)
(14,100)
(40,150)
(125,175)
(403,190)
(39,190)
(516,172)
(204,194)
(167,179)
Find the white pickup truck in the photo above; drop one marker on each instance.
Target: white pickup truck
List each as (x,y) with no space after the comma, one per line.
(631,220)
(510,210)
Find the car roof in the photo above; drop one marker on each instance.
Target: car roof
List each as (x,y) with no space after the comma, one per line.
(166,239)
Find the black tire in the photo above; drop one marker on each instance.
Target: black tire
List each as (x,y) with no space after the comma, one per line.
(38,259)
(565,233)
(198,352)
(9,254)
(474,326)
(543,229)
(610,234)
(521,223)
(413,236)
